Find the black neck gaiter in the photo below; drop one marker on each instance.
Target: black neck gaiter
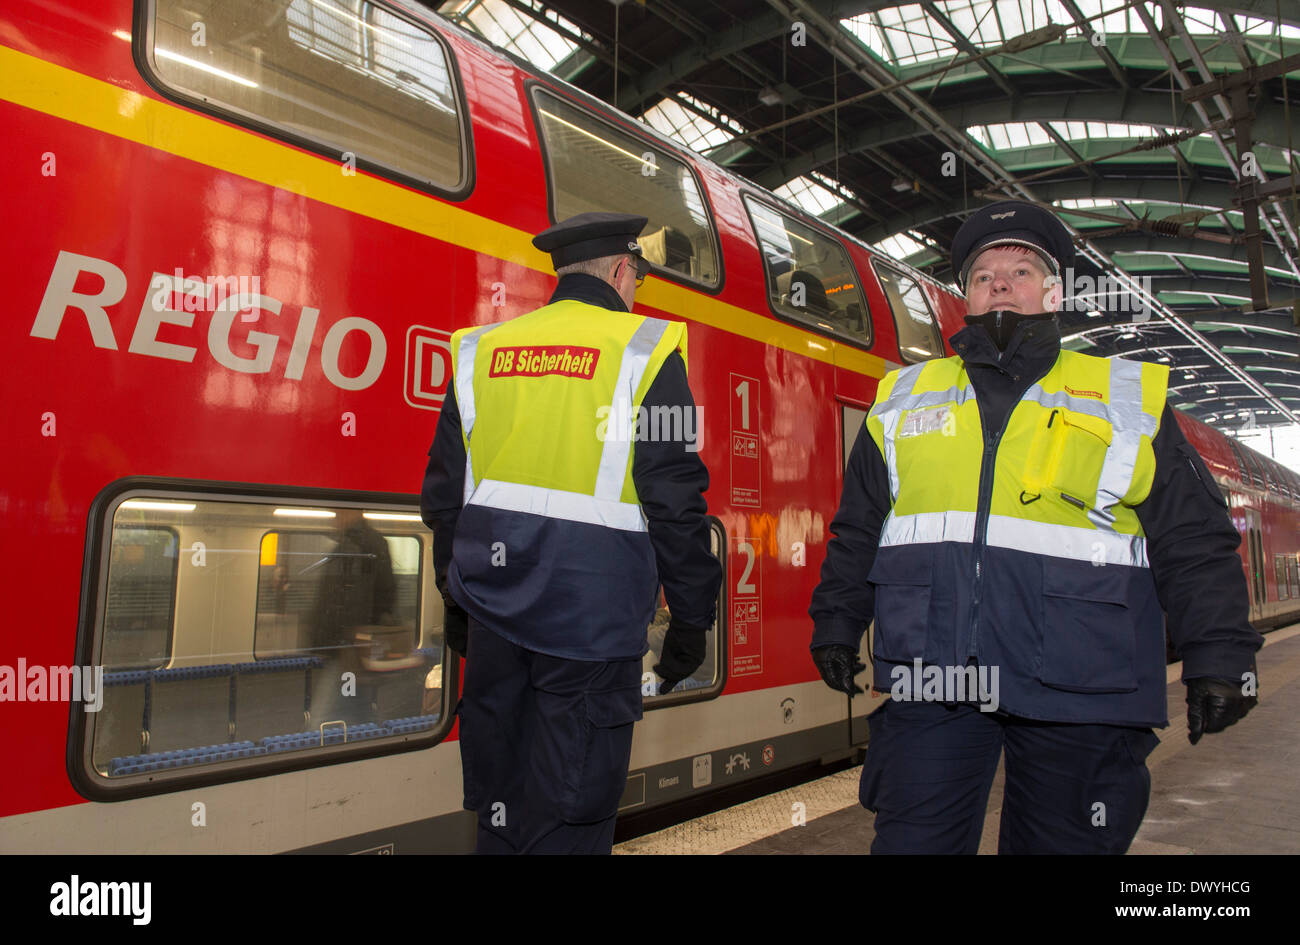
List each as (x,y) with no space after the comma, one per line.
(1001,325)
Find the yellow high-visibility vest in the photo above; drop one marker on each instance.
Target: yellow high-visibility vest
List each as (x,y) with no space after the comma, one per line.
(548,403)
(1073,460)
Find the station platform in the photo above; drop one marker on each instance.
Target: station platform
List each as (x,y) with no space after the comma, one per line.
(1233,793)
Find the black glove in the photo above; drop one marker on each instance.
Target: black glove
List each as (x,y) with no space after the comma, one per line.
(838,665)
(455,625)
(682,654)
(1213,705)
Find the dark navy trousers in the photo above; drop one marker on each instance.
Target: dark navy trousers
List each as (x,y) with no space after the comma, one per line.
(1070,788)
(545,744)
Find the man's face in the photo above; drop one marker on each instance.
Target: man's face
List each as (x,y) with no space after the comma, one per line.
(1011,278)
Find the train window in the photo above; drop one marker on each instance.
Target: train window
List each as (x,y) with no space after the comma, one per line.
(918,334)
(349,78)
(810,278)
(1256,474)
(707,681)
(1293,575)
(292,630)
(299,586)
(138,609)
(1279,575)
(595,167)
(1241,461)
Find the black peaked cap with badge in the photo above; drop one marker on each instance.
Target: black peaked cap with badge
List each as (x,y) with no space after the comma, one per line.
(1012,223)
(591,236)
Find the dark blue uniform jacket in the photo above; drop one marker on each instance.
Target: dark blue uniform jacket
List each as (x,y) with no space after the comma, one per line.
(1066,675)
(561,606)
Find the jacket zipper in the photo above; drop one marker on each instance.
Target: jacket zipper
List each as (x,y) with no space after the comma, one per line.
(983,507)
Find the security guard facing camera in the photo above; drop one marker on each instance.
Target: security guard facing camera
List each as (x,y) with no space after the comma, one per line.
(563,531)
(1015,520)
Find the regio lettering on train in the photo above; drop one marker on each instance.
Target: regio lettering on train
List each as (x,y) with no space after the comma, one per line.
(160,308)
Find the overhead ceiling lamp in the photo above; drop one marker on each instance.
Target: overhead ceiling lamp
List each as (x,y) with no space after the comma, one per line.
(902,185)
(769,96)
(1211,390)
(1127,335)
(1093,314)
(1188,375)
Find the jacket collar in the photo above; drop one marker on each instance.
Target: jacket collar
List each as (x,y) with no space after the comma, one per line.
(1034,343)
(581,287)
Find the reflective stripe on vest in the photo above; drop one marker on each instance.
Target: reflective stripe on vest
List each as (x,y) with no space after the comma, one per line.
(605,506)
(1045,529)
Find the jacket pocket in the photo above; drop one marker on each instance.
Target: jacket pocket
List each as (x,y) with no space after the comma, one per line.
(1088,631)
(1066,456)
(903,577)
(596,780)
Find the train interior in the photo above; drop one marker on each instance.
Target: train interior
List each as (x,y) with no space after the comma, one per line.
(236,629)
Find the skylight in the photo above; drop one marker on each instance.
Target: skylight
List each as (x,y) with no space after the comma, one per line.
(528,37)
(906,34)
(900,246)
(809,195)
(1020,134)
(698,133)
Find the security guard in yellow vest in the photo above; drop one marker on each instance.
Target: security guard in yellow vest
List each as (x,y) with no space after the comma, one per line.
(563,531)
(1015,519)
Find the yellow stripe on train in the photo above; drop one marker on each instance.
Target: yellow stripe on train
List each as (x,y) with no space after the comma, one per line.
(43,86)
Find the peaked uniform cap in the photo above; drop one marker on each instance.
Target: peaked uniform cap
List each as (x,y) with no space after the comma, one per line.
(591,236)
(1012,223)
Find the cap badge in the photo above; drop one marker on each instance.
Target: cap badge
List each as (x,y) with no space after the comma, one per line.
(1002,216)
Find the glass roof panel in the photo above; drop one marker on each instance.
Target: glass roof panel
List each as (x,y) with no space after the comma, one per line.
(900,246)
(906,34)
(698,133)
(528,37)
(901,35)
(808,195)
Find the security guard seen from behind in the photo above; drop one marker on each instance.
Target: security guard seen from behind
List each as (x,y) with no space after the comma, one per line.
(1015,519)
(552,534)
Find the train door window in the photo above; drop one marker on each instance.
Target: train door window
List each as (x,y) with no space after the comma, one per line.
(1293,575)
(298,629)
(918,333)
(1258,570)
(349,78)
(593,166)
(1279,575)
(810,277)
(707,681)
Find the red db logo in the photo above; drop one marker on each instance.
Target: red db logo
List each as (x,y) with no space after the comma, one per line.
(428,367)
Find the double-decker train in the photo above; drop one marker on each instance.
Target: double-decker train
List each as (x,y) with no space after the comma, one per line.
(240,234)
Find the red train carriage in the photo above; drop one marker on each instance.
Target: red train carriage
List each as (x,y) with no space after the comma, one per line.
(240,236)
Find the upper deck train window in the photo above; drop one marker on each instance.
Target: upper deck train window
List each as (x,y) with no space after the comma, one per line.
(918,335)
(595,167)
(810,277)
(343,77)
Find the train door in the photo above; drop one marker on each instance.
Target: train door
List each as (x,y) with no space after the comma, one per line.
(852,420)
(1254,561)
